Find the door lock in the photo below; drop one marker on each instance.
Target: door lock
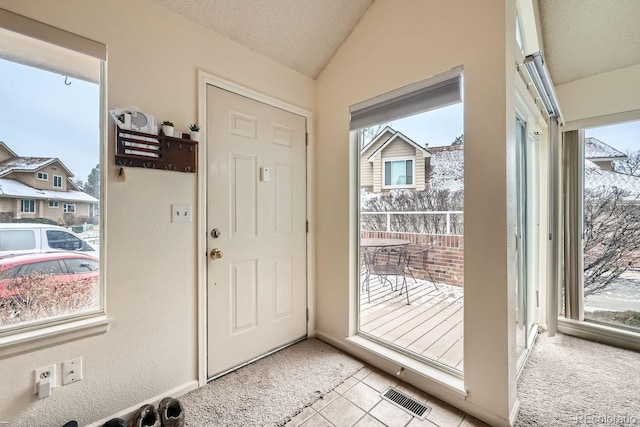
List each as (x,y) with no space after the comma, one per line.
(216,253)
(215,233)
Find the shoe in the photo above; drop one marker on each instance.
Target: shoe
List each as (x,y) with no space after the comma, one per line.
(171,412)
(115,422)
(146,416)
(71,424)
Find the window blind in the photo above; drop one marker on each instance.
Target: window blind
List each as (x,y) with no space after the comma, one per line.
(435,92)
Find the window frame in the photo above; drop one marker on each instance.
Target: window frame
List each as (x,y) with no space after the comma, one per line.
(32,203)
(56,178)
(25,338)
(399,159)
(42,176)
(54,204)
(66,206)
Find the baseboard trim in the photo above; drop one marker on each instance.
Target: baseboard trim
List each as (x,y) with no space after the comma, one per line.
(128,413)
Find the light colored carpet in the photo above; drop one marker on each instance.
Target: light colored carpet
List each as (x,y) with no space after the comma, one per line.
(272,390)
(567,380)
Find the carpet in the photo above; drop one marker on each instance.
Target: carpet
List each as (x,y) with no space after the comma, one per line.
(272,390)
(569,381)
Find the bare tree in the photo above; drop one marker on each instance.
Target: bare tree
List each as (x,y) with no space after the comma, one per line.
(458,141)
(611,236)
(367,134)
(630,165)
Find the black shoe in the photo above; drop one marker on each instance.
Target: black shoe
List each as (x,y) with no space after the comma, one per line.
(71,424)
(171,412)
(115,422)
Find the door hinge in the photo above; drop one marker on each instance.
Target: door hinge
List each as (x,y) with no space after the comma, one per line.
(306,139)
(537,299)
(307,314)
(307,226)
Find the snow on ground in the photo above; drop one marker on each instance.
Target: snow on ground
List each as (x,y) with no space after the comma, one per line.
(622,295)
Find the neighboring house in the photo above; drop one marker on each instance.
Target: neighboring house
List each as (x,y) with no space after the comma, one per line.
(39,187)
(601,154)
(392,160)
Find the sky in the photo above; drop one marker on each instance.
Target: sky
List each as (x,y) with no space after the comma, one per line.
(435,128)
(40,116)
(622,136)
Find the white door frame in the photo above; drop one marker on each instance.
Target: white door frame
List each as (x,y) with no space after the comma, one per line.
(205,79)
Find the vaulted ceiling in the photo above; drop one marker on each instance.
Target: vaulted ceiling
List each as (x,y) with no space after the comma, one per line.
(581,38)
(301,34)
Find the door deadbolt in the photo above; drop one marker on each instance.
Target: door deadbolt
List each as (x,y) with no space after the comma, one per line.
(215,233)
(216,253)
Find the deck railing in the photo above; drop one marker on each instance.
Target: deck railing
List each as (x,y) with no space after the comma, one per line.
(438,222)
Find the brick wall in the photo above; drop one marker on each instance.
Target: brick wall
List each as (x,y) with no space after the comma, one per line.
(444,260)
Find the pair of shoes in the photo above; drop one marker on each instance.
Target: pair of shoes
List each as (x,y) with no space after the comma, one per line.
(115,422)
(169,414)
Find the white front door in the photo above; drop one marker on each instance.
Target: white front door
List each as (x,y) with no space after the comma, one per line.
(257,289)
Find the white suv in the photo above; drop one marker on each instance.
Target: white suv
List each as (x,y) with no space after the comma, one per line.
(27,238)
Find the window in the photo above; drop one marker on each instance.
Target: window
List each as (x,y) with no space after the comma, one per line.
(81,265)
(47,268)
(59,77)
(398,173)
(28,206)
(17,240)
(64,241)
(410,287)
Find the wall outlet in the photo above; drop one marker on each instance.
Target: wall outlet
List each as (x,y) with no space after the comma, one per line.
(72,371)
(43,373)
(181,213)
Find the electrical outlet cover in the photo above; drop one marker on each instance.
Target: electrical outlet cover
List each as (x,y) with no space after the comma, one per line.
(72,371)
(42,373)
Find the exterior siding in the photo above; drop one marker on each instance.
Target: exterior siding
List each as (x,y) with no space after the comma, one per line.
(420,170)
(377,174)
(367,174)
(398,149)
(30,178)
(10,205)
(4,154)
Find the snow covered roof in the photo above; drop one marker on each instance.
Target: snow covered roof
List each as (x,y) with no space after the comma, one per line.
(596,149)
(595,177)
(28,164)
(16,189)
(447,168)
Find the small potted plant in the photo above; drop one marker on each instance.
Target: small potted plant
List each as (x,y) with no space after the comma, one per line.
(167,128)
(194,132)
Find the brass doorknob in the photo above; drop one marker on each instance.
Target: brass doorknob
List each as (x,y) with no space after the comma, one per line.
(216,253)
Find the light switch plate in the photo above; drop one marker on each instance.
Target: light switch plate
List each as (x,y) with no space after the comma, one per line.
(71,371)
(181,213)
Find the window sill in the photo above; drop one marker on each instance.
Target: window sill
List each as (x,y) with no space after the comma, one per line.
(600,333)
(442,378)
(47,336)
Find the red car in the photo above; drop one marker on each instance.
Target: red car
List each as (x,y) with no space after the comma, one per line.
(55,267)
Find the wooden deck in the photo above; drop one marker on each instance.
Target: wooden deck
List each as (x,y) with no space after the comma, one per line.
(430,326)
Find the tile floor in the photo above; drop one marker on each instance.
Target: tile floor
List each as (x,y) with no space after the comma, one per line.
(357,402)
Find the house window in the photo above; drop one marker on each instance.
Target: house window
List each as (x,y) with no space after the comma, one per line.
(60,78)
(398,173)
(28,206)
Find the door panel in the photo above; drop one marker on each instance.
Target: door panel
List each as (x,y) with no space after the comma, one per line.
(256,175)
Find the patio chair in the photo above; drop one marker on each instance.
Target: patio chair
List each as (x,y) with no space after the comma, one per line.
(385,262)
(423,253)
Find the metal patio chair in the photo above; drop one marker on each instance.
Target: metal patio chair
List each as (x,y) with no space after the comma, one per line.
(385,263)
(423,253)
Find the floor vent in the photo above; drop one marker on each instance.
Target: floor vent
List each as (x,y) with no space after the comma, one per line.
(406,403)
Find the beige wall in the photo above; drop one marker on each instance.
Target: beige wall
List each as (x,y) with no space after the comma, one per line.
(605,94)
(151,347)
(428,38)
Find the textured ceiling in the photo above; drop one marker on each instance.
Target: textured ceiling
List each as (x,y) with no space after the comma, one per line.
(301,34)
(583,38)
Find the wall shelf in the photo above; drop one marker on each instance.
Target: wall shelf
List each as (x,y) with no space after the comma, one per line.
(162,152)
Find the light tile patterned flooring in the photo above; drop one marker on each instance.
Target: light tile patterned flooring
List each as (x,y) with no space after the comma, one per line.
(357,402)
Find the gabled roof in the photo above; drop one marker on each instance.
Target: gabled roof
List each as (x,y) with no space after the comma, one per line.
(594,149)
(387,129)
(6,147)
(28,164)
(399,136)
(16,189)
(596,177)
